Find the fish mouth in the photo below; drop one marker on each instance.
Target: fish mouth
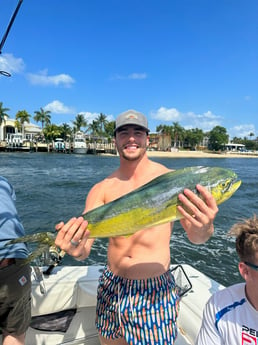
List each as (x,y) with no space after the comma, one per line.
(235,185)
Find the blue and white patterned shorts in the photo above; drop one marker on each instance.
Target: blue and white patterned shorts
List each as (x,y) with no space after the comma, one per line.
(140,311)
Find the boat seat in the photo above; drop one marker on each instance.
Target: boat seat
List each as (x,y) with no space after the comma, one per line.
(63,293)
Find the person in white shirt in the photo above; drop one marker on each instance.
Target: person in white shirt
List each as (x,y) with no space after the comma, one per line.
(231,315)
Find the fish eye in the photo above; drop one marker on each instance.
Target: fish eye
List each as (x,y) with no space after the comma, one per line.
(226,185)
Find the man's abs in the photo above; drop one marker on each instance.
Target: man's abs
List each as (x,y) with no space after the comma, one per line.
(143,255)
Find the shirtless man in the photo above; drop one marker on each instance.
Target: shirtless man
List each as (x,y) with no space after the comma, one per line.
(137,299)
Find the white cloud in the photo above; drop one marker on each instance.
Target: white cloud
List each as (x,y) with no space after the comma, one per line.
(134,76)
(205,121)
(242,131)
(44,79)
(58,107)
(11,64)
(166,114)
(89,117)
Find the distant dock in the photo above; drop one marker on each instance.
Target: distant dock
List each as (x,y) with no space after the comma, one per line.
(27,146)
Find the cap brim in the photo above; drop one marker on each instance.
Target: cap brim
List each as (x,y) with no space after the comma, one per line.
(133,124)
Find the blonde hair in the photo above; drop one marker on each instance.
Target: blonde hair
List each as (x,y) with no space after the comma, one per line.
(246,234)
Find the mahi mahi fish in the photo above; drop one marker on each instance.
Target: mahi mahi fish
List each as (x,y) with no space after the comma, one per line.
(150,205)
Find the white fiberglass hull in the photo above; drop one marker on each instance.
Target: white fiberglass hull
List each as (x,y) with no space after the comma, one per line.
(73,288)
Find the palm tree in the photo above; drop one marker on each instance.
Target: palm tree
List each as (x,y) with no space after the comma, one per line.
(22,116)
(3,113)
(177,132)
(51,132)
(79,122)
(251,135)
(3,116)
(66,131)
(42,116)
(94,128)
(193,137)
(102,121)
(110,128)
(164,129)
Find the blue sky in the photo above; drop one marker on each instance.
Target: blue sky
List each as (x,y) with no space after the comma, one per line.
(194,62)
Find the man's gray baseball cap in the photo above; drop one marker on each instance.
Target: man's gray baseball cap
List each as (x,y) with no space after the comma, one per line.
(132,117)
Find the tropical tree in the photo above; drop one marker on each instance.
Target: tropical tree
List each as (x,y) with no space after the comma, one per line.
(178,133)
(218,137)
(79,122)
(102,121)
(21,117)
(65,131)
(194,137)
(251,135)
(94,128)
(3,113)
(110,128)
(164,129)
(3,116)
(237,140)
(51,132)
(42,116)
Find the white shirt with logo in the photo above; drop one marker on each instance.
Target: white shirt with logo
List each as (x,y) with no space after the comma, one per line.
(229,319)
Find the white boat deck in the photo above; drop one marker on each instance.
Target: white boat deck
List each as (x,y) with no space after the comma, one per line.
(75,287)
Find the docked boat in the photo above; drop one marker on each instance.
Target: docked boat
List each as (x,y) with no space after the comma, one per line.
(79,143)
(59,145)
(16,142)
(64,302)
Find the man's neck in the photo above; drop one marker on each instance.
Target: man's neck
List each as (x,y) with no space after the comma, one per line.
(252,297)
(129,169)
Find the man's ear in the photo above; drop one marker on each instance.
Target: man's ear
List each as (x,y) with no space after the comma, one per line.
(243,270)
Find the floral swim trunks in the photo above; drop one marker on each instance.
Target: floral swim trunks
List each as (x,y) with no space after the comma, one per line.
(140,311)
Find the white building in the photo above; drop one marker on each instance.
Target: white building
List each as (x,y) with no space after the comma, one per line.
(234,147)
(8,129)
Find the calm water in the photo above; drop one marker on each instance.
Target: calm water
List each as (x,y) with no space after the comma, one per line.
(53,187)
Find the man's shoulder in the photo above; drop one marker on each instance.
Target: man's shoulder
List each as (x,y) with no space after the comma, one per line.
(157,169)
(229,294)
(158,166)
(101,188)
